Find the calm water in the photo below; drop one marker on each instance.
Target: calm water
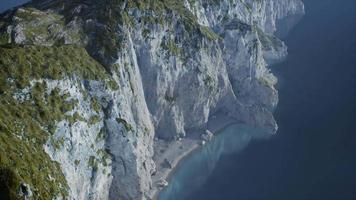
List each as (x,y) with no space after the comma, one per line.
(6,4)
(313,157)
(196,168)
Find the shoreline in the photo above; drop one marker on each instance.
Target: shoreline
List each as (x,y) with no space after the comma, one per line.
(195,149)
(174,153)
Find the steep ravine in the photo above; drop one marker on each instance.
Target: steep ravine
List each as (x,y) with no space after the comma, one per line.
(86,86)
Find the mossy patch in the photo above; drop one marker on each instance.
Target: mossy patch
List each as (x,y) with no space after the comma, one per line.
(171,46)
(95,105)
(23,63)
(127,126)
(94,119)
(101,135)
(76,162)
(93,163)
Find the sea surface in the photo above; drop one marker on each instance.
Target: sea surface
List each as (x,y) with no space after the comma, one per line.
(313,155)
(6,4)
(196,168)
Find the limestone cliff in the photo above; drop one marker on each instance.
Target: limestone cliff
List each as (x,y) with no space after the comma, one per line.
(86,85)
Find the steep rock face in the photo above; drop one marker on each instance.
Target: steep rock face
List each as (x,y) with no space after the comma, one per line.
(227,73)
(166,68)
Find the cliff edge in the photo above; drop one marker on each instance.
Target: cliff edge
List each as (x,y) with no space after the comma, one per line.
(86,86)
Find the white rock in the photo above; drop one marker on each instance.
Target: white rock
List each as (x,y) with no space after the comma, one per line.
(162,183)
(207,136)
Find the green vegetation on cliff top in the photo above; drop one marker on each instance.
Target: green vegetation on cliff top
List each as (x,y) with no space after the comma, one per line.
(26,125)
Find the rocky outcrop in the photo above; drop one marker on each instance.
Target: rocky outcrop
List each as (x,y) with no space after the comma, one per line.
(166,67)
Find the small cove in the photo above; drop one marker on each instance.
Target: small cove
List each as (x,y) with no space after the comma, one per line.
(196,168)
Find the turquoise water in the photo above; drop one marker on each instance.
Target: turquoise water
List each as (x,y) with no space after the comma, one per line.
(312,157)
(196,168)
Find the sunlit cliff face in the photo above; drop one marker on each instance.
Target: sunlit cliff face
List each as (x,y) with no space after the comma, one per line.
(92,84)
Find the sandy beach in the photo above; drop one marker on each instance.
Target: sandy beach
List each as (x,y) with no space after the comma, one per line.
(169,155)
